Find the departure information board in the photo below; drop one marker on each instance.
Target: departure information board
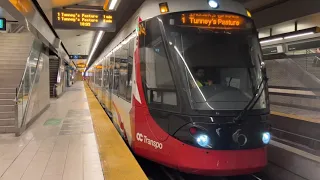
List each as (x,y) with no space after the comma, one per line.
(83,19)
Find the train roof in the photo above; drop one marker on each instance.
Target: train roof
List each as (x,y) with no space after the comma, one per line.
(150,8)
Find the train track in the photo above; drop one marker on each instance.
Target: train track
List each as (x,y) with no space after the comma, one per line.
(155,171)
(175,175)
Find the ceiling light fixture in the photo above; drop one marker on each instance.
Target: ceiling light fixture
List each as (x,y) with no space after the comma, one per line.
(95,46)
(271,40)
(213,4)
(298,35)
(113,4)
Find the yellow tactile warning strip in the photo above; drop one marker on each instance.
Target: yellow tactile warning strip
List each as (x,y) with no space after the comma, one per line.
(295,117)
(117,161)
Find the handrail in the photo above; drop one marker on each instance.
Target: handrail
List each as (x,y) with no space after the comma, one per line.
(54,90)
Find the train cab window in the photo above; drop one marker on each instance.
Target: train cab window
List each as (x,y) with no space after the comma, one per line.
(219,67)
(155,70)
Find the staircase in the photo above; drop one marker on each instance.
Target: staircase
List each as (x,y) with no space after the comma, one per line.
(14,52)
(54,67)
(7,110)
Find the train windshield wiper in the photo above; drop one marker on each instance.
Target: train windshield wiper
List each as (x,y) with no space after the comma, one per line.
(253,101)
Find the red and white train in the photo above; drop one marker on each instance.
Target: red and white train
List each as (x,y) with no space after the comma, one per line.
(185,85)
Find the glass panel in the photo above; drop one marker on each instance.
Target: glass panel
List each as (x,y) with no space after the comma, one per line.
(116,71)
(20,104)
(106,70)
(220,65)
(111,67)
(123,72)
(130,67)
(294,83)
(28,79)
(155,69)
(98,75)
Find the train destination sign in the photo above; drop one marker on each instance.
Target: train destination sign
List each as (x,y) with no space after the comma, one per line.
(212,20)
(83,19)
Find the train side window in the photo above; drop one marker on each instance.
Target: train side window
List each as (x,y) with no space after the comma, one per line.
(105,74)
(111,72)
(116,73)
(130,67)
(98,75)
(155,70)
(123,71)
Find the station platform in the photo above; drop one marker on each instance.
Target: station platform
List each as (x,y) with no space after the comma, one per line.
(296,113)
(73,140)
(296,127)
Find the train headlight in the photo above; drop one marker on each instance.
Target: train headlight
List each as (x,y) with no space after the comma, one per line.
(203,140)
(266,137)
(213,4)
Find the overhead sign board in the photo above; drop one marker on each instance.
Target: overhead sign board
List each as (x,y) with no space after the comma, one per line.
(271,50)
(3,26)
(81,65)
(78,57)
(83,19)
(304,45)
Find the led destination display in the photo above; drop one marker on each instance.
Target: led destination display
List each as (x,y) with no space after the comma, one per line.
(83,19)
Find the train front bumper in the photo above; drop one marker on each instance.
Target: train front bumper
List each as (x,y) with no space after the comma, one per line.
(220,163)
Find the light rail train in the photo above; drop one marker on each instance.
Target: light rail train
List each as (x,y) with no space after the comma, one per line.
(185,85)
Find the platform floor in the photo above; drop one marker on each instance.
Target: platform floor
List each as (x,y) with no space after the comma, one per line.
(299,114)
(60,145)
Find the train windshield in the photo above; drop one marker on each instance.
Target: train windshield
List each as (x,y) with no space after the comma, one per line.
(218,56)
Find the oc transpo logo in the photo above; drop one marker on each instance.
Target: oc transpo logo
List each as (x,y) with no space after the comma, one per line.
(139,137)
(144,139)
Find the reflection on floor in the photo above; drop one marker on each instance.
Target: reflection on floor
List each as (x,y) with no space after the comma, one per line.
(59,145)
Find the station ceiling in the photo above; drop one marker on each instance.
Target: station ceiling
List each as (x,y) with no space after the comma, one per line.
(80,41)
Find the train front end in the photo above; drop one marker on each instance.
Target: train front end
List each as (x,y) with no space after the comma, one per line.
(203,103)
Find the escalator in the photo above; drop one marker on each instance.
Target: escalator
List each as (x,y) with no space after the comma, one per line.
(54,64)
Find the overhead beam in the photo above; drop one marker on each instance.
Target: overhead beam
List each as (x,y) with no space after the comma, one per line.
(267,6)
(106,5)
(87,7)
(286,11)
